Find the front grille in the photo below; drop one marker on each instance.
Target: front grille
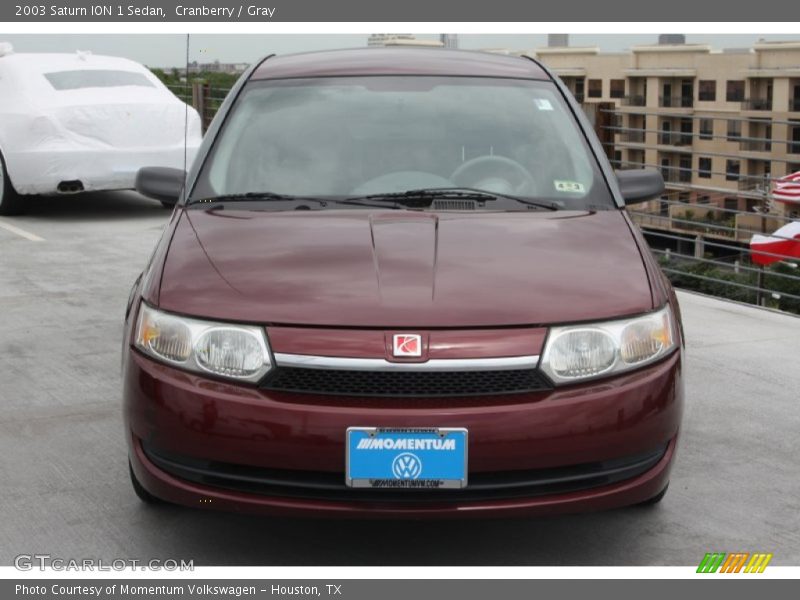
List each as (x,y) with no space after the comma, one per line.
(400,384)
(330,486)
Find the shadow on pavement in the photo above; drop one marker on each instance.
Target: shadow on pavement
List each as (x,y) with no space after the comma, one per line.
(88,206)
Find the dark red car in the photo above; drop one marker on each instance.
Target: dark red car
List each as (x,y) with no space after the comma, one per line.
(401,282)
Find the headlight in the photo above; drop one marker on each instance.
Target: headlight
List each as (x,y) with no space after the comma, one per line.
(233,351)
(588,351)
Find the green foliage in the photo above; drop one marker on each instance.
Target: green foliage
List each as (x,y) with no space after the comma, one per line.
(220,83)
(712,221)
(782,284)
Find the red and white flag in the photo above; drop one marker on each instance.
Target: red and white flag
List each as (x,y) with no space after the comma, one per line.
(787,189)
(785,242)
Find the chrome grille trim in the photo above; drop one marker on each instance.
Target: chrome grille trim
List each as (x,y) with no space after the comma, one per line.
(380,364)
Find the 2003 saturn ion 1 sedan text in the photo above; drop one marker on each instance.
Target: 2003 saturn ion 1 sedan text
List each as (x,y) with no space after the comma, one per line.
(401,282)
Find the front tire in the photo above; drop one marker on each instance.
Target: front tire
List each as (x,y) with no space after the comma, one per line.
(140,492)
(11,203)
(655,499)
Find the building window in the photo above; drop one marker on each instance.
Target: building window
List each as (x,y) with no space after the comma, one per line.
(706,129)
(731,204)
(704,200)
(794,146)
(579,83)
(685,169)
(734,91)
(666,169)
(595,88)
(617,88)
(617,161)
(686,132)
(707,90)
(732,170)
(734,130)
(704,167)
(635,159)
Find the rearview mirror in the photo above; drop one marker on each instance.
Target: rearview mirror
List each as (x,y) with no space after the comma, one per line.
(160,183)
(640,185)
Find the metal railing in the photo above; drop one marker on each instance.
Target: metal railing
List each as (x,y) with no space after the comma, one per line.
(675,101)
(634,100)
(677,174)
(634,137)
(748,144)
(705,248)
(202,97)
(757,104)
(675,139)
(751,145)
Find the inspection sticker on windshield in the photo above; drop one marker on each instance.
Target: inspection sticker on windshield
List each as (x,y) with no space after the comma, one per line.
(543,104)
(573,187)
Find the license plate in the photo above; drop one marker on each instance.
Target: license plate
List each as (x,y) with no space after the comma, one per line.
(388,458)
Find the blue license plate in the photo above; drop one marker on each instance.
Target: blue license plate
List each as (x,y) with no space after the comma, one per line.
(406,458)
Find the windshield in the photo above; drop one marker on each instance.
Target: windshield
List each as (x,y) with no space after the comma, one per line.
(350,137)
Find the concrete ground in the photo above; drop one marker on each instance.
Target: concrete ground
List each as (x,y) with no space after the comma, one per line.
(64,486)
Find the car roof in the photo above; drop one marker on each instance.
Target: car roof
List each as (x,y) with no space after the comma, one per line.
(398,61)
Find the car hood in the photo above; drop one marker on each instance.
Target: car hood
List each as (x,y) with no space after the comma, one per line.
(398,269)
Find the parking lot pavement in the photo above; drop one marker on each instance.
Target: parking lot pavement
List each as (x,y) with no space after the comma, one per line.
(63,472)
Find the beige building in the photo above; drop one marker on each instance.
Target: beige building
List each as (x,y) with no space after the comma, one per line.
(401,39)
(718,124)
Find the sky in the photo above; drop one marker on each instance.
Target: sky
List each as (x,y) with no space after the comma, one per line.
(167,50)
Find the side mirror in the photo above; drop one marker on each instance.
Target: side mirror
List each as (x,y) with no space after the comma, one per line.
(160,183)
(640,185)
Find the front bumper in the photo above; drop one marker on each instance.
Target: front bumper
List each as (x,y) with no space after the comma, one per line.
(188,434)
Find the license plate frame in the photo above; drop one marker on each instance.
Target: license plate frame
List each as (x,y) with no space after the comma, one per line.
(388,468)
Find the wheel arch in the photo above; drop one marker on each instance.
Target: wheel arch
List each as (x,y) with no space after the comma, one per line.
(6,169)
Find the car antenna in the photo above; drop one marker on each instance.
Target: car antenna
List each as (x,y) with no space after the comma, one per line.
(186,121)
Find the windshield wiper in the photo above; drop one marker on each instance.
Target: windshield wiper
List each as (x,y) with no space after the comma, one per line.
(424,197)
(257,196)
(417,198)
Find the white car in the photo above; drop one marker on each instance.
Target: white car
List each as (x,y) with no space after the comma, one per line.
(80,122)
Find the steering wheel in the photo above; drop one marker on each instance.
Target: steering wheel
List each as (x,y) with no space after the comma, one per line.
(494,174)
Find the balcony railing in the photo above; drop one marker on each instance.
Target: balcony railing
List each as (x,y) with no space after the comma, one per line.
(755,146)
(632,136)
(757,104)
(675,139)
(676,174)
(634,100)
(752,182)
(675,101)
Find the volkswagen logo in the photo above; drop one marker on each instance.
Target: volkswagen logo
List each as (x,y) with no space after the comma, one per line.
(406,466)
